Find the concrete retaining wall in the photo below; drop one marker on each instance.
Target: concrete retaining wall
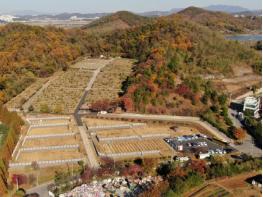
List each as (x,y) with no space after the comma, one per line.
(119,126)
(45,163)
(129,154)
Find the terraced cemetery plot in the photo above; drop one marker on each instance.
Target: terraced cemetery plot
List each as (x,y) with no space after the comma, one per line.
(20,99)
(109,81)
(151,131)
(63,94)
(115,133)
(90,64)
(212,191)
(49,155)
(49,130)
(99,122)
(46,121)
(58,141)
(134,146)
(154,130)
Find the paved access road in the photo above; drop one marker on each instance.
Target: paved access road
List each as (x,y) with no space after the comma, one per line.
(40,189)
(89,148)
(89,86)
(86,139)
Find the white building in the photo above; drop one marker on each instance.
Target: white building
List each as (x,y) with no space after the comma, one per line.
(251,103)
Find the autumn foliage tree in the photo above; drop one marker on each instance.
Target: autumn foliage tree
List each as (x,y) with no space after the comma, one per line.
(19,179)
(103,105)
(239,133)
(198,166)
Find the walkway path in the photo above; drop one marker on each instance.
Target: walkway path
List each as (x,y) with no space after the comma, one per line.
(89,148)
(89,86)
(86,139)
(40,189)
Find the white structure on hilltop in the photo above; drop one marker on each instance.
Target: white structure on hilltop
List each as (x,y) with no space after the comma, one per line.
(251,103)
(7,18)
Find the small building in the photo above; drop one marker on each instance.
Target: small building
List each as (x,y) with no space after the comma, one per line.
(204,155)
(252,104)
(256,180)
(182,159)
(180,147)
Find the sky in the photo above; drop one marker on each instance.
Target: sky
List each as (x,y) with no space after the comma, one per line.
(95,6)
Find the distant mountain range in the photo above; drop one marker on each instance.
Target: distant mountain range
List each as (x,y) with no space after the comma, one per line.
(226,8)
(26,15)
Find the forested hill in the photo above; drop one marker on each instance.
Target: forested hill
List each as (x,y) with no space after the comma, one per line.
(118,20)
(220,21)
(172,52)
(27,52)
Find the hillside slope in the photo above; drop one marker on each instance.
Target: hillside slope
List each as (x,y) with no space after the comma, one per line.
(175,58)
(27,52)
(220,21)
(118,20)
(172,51)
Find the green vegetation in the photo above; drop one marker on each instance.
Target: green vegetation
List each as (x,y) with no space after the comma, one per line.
(194,173)
(172,53)
(254,127)
(9,132)
(3,133)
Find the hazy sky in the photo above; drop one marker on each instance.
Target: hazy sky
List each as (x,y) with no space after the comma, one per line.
(91,6)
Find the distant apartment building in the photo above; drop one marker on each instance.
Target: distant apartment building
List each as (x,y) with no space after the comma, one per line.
(252,104)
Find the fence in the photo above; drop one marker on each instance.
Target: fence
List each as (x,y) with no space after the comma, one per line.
(130,154)
(50,118)
(45,163)
(133,137)
(48,125)
(43,148)
(50,135)
(119,126)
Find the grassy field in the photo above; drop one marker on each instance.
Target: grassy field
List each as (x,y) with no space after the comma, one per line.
(109,81)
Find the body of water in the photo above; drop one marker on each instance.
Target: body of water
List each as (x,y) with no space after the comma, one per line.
(245,37)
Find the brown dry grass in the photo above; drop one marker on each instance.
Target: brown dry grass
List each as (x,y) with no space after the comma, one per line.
(49,155)
(50,142)
(48,130)
(236,181)
(97,122)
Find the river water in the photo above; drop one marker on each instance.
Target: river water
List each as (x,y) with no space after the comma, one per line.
(245,37)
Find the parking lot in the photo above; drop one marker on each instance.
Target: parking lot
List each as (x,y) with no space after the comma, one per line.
(197,144)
